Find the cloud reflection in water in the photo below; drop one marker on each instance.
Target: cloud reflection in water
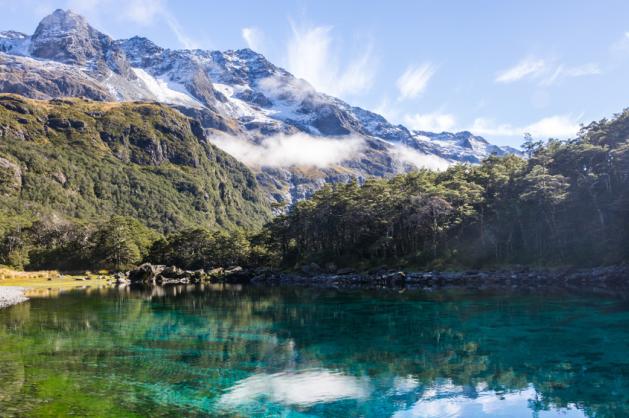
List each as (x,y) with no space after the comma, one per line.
(451,401)
(301,388)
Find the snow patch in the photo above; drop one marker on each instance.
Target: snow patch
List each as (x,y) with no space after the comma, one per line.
(239,108)
(166,91)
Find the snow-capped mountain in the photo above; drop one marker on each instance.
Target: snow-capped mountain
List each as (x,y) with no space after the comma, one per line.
(244,102)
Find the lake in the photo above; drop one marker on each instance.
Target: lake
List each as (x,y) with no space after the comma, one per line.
(299,352)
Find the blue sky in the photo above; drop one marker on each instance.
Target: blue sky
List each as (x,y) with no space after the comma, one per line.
(497,68)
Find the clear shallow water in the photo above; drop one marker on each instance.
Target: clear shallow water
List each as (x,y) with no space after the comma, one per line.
(309,353)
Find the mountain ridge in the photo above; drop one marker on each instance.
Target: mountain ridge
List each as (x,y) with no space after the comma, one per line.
(235,94)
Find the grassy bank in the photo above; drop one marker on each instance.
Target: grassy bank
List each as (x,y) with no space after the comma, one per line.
(50,279)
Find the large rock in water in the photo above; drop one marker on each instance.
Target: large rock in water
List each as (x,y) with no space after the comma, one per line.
(159,274)
(145,273)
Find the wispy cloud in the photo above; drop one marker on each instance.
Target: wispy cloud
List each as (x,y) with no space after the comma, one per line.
(414,80)
(254,38)
(545,72)
(557,126)
(141,12)
(185,40)
(310,56)
(433,122)
(525,68)
(300,150)
(566,72)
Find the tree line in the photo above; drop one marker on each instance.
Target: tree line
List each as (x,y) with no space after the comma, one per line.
(565,203)
(120,243)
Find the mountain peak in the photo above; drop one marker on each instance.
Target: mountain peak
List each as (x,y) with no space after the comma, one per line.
(67,37)
(62,20)
(238,92)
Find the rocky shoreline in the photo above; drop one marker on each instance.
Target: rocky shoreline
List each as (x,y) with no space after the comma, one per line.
(602,278)
(10,295)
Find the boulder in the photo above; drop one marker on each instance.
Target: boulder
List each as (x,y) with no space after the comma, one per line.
(77,124)
(331,267)
(393,278)
(145,273)
(58,123)
(216,272)
(120,278)
(233,270)
(173,274)
(311,269)
(159,274)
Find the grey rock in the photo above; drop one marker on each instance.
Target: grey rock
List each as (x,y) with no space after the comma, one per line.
(145,273)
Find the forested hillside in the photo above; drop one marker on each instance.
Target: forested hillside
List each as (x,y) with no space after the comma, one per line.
(567,204)
(68,165)
(89,184)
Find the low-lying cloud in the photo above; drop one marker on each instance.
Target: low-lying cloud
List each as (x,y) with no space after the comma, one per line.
(408,155)
(557,126)
(433,122)
(286,88)
(301,150)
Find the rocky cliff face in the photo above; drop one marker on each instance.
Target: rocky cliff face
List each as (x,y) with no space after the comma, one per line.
(238,94)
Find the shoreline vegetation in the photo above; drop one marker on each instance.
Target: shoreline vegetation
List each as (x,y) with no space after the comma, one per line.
(565,204)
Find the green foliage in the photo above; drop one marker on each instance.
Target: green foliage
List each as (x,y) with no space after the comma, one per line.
(75,171)
(93,185)
(121,243)
(200,248)
(568,203)
(90,160)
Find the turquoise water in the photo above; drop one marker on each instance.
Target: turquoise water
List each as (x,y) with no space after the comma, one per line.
(232,351)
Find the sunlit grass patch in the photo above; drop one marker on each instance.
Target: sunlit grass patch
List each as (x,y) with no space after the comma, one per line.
(51,279)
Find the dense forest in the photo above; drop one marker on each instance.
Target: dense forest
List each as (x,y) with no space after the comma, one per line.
(566,203)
